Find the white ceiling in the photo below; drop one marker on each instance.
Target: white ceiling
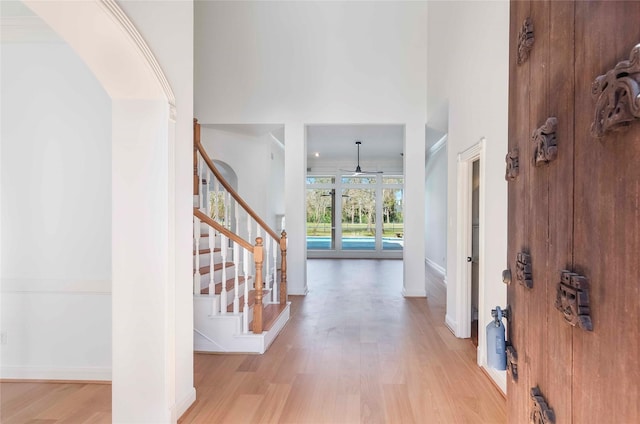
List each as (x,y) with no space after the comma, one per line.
(336,143)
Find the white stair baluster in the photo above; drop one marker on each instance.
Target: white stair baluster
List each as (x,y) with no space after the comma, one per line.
(236,264)
(274,286)
(196,266)
(237,229)
(267,242)
(200,171)
(227,211)
(249,228)
(245,309)
(223,291)
(207,201)
(212,283)
(216,207)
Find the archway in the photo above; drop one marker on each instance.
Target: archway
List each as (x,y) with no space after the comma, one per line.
(143,138)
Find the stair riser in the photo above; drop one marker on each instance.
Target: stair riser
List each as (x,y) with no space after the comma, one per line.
(231,293)
(205,259)
(217,276)
(206,244)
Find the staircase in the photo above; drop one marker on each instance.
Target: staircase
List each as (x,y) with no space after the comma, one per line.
(239,287)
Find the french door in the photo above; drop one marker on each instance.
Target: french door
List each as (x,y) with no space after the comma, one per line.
(355,216)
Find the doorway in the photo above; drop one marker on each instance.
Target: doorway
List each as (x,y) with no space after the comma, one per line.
(354,215)
(470,241)
(475,253)
(355,191)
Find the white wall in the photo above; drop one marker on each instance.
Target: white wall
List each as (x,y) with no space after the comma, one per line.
(260,173)
(167,26)
(56,216)
(233,149)
(275,198)
(317,63)
(468,87)
(436,209)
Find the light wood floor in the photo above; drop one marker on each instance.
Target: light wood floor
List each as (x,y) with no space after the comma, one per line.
(354,351)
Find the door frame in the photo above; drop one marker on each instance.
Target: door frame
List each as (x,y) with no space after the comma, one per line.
(464,234)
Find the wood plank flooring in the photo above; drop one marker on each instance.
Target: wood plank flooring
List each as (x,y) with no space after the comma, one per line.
(354,351)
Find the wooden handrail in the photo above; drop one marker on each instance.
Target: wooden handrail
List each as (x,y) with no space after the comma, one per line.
(228,187)
(233,236)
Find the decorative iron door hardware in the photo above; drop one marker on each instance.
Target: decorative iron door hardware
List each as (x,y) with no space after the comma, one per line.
(523,270)
(541,413)
(545,141)
(525,41)
(506,276)
(506,313)
(617,95)
(512,362)
(573,300)
(513,165)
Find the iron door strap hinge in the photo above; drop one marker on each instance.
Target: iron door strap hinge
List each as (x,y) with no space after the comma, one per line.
(524,270)
(572,300)
(541,413)
(617,95)
(546,143)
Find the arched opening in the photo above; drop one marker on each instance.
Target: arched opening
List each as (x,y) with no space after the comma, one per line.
(140,166)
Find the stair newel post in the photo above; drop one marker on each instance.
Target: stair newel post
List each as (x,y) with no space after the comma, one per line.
(236,295)
(267,274)
(212,283)
(258,257)
(196,271)
(283,268)
(245,309)
(274,295)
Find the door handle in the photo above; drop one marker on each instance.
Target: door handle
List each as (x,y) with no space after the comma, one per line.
(469,259)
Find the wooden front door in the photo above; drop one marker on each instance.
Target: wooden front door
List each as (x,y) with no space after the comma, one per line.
(574,212)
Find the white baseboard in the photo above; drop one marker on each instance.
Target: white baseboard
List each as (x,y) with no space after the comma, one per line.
(45,373)
(439,270)
(414,293)
(450,322)
(184,404)
(301,292)
(499,377)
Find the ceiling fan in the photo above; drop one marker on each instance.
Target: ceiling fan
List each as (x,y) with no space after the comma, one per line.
(358,170)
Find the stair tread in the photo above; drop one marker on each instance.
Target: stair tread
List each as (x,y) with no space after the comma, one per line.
(270,314)
(206,251)
(251,301)
(217,267)
(231,283)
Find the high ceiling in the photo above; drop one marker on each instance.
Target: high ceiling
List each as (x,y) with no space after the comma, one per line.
(336,143)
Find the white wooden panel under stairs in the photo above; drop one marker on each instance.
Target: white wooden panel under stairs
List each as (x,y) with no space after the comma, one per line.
(220,321)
